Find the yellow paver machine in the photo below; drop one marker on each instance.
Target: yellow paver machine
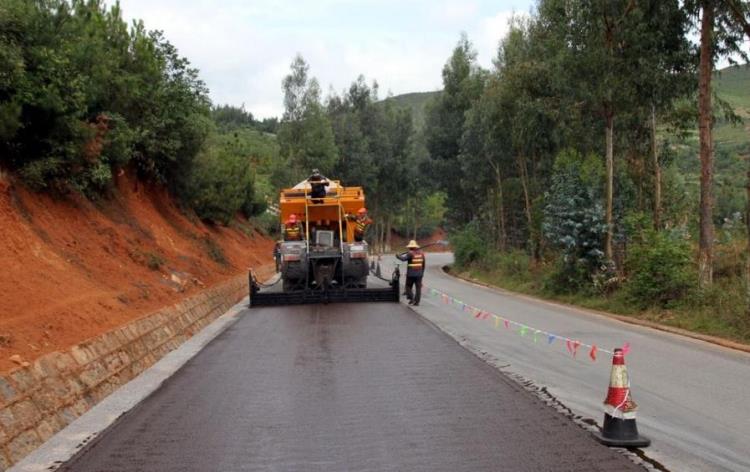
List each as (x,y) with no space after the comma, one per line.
(326,264)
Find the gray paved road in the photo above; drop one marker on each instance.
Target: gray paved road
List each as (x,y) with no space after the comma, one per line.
(344,387)
(693,396)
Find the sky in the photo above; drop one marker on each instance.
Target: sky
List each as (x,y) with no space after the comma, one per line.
(243,48)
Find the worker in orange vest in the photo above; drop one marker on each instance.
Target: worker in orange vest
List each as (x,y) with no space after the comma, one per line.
(292,229)
(361,221)
(415,265)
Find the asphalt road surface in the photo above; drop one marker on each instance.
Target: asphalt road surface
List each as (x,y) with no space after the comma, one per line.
(692,396)
(354,387)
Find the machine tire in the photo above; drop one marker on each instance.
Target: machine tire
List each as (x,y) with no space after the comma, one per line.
(288,285)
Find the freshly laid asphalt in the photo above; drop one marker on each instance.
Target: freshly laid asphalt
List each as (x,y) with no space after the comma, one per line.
(350,387)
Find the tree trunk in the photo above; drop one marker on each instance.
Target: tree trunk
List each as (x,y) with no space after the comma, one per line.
(388,230)
(657,171)
(527,202)
(706,238)
(747,255)
(382,238)
(375,234)
(610,184)
(500,208)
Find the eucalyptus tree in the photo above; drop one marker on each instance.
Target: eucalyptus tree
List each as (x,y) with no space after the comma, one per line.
(305,136)
(720,36)
(532,99)
(373,138)
(664,73)
(486,145)
(463,81)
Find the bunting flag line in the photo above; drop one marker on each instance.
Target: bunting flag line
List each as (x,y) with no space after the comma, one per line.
(571,345)
(576,345)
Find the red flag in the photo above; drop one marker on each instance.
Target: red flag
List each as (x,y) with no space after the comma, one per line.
(478,313)
(507,323)
(625,348)
(486,315)
(569,345)
(576,345)
(592,353)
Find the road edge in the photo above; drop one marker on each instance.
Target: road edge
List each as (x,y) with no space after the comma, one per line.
(726,343)
(71,440)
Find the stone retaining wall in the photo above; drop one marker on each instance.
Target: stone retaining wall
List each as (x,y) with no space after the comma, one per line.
(42,398)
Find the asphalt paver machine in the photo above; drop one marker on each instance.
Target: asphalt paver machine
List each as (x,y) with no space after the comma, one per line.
(327,265)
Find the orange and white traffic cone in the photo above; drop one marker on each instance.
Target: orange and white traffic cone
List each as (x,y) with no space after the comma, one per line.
(619,428)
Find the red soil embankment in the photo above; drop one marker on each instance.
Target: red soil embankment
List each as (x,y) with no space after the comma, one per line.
(72,269)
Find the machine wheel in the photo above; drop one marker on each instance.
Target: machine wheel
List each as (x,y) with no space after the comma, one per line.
(288,285)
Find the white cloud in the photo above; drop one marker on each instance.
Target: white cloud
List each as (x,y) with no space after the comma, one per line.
(453,13)
(243,49)
(491,30)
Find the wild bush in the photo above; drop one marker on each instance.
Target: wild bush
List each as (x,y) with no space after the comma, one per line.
(218,186)
(468,245)
(515,263)
(85,94)
(660,269)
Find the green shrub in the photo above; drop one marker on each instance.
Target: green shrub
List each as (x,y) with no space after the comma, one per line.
(215,252)
(468,245)
(515,264)
(268,223)
(660,269)
(569,275)
(219,185)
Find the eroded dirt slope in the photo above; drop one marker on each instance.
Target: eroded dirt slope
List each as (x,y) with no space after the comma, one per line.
(72,269)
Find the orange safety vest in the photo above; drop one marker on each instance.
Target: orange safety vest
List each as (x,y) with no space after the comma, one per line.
(292,232)
(416,264)
(361,225)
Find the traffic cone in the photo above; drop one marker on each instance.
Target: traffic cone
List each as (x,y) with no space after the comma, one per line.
(619,428)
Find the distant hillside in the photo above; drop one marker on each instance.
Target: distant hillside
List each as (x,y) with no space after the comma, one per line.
(733,85)
(416,101)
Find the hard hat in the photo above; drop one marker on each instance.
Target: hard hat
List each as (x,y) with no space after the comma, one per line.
(362,211)
(292,218)
(412,245)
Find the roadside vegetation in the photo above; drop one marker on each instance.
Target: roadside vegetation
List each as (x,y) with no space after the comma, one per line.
(84,96)
(601,161)
(584,167)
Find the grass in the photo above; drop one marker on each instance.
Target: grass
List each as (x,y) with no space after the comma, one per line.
(154,261)
(215,252)
(719,311)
